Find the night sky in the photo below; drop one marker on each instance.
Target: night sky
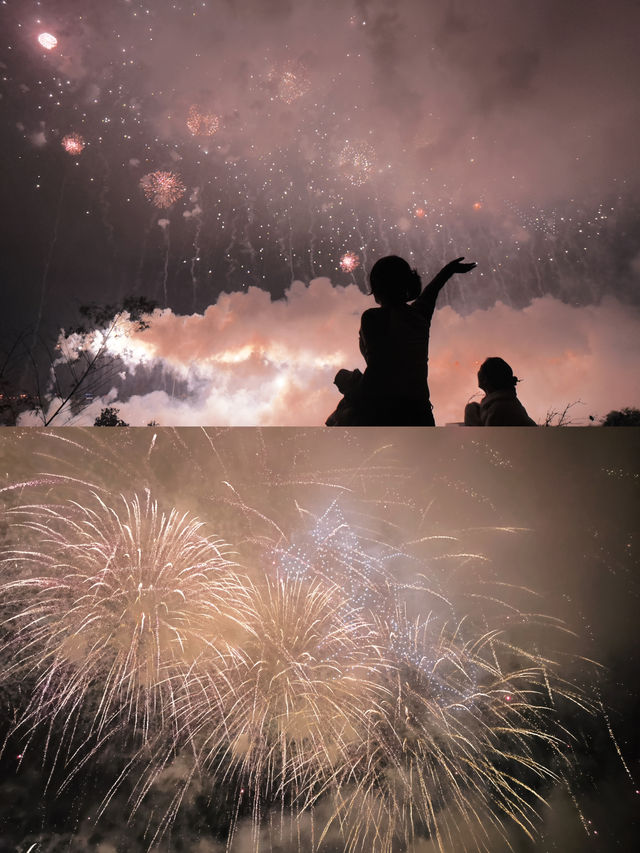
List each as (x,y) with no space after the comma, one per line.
(543,520)
(294,144)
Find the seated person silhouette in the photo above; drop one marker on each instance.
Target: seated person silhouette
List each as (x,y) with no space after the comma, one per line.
(500,405)
(394,341)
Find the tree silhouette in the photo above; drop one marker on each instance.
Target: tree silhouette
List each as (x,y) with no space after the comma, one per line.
(78,369)
(624,417)
(109,417)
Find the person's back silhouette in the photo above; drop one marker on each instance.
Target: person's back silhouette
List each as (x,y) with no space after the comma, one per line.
(500,405)
(394,341)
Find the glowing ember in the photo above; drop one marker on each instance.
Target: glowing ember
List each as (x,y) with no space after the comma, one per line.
(477,205)
(349,262)
(73,143)
(47,41)
(420,212)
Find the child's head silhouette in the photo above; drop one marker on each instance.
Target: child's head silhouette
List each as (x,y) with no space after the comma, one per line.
(496,375)
(393,282)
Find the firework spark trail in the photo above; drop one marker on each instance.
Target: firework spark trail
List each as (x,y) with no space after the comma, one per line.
(105,206)
(165,224)
(47,265)
(196,214)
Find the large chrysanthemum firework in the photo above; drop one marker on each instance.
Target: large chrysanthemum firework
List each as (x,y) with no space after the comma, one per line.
(113,608)
(462,742)
(297,694)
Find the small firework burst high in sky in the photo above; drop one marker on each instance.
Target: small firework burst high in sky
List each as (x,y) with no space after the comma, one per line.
(291,81)
(73,143)
(200,123)
(47,40)
(356,162)
(162,188)
(349,262)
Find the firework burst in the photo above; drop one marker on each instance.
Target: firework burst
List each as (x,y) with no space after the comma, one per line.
(356,162)
(47,41)
(465,738)
(162,188)
(114,607)
(304,685)
(73,143)
(349,262)
(202,124)
(290,80)
(297,694)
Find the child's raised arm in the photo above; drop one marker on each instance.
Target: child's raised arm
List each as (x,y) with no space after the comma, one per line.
(427,299)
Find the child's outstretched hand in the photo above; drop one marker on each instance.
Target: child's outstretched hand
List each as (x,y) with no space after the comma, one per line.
(457,266)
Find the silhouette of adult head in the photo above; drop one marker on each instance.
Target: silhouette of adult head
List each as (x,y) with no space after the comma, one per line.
(496,375)
(393,282)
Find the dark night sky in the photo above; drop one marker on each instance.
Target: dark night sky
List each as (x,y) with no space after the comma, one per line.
(552,511)
(503,131)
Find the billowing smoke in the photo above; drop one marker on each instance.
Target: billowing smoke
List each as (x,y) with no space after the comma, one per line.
(250,360)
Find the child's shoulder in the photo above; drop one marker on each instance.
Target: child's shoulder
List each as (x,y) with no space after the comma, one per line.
(372,314)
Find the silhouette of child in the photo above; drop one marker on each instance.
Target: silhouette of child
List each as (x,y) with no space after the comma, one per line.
(500,405)
(394,341)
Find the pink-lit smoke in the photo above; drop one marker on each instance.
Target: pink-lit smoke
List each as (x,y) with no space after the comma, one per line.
(249,360)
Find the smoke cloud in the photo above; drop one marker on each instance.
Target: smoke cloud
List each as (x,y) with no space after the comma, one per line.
(250,360)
